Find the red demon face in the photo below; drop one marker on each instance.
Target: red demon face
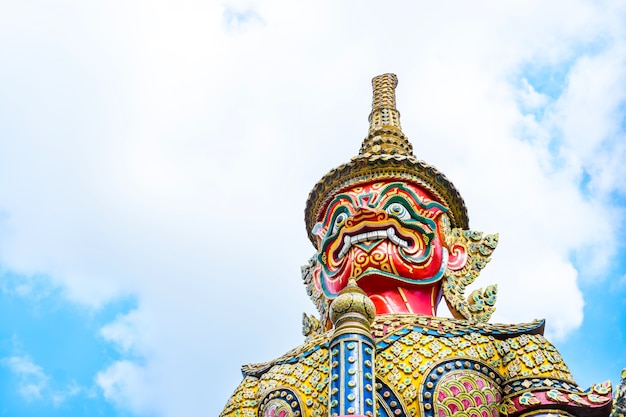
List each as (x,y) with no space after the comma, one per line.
(386,235)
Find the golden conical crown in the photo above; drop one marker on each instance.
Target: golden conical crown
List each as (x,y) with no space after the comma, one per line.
(385,153)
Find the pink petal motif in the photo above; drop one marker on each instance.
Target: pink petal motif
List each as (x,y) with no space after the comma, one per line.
(478,400)
(282,413)
(466,403)
(480,383)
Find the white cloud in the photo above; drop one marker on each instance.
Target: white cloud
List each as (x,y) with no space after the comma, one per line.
(124,331)
(122,383)
(32,381)
(589,116)
(150,151)
(71,390)
(33,384)
(530,98)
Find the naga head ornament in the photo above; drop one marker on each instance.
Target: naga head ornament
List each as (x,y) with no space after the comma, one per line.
(396,226)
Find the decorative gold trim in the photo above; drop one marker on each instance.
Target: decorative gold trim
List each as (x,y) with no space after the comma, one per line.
(547,413)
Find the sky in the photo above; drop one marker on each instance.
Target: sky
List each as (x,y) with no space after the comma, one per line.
(156,156)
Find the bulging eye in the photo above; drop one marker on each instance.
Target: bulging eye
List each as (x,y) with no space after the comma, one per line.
(399,211)
(339,221)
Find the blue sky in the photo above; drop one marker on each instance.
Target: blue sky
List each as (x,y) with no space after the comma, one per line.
(155,159)
(51,350)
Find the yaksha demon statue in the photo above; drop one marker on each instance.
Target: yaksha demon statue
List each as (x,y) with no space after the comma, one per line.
(392,239)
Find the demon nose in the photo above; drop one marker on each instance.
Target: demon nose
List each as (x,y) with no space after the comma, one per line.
(366,214)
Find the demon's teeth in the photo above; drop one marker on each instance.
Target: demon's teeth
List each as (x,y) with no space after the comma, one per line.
(389,233)
(346,247)
(358,238)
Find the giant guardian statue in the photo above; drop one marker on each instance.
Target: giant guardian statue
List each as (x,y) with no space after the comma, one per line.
(392,239)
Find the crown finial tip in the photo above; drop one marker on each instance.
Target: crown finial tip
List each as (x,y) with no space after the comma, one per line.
(385,133)
(384,96)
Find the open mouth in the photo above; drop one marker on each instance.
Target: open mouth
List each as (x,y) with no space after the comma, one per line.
(389,233)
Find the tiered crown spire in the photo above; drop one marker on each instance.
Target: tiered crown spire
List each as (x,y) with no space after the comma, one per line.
(385,135)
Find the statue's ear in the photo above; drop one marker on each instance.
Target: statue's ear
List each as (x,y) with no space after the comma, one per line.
(318,231)
(457,257)
(311,275)
(456,245)
(469,252)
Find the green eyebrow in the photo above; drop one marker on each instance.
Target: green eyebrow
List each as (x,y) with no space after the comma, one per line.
(418,199)
(414,215)
(335,200)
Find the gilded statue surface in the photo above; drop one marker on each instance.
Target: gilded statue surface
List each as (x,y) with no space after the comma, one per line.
(392,240)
